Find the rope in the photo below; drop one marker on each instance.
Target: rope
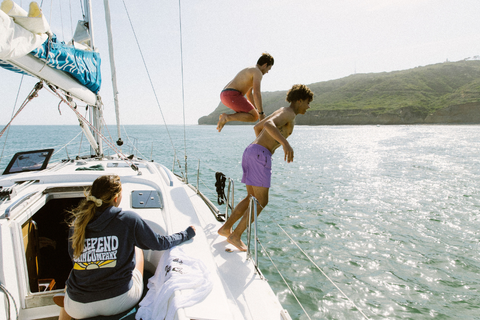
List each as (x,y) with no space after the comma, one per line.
(220,185)
(67,143)
(149,78)
(71,19)
(61,19)
(33,94)
(319,269)
(120,154)
(131,143)
(183,90)
(284,280)
(13,112)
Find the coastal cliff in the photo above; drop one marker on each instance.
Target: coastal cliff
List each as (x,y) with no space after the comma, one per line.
(460,114)
(445,93)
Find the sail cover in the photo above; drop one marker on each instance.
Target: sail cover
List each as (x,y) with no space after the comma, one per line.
(16,41)
(83,65)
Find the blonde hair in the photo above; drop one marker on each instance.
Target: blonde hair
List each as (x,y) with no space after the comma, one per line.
(98,198)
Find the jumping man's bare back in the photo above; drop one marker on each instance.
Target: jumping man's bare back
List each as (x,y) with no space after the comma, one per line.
(247,82)
(243,81)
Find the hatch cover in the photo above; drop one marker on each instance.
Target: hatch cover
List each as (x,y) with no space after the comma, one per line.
(146,199)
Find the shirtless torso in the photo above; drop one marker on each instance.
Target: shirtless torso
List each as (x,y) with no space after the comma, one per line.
(274,130)
(247,82)
(245,79)
(265,139)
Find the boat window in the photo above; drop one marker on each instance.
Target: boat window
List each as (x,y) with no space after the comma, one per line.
(29,161)
(146,199)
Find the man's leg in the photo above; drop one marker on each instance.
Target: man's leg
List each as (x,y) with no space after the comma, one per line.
(237,213)
(261,194)
(251,116)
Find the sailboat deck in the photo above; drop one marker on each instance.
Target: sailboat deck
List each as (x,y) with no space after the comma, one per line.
(238,291)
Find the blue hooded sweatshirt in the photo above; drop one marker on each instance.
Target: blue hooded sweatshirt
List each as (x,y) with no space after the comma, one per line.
(104,269)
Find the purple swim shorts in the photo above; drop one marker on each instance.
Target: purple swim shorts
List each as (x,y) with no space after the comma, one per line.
(257,166)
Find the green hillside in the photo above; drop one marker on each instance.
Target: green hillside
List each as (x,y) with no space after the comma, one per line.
(422,90)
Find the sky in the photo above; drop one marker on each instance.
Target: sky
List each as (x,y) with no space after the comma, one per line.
(311,41)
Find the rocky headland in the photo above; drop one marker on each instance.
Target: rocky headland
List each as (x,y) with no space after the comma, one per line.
(445,93)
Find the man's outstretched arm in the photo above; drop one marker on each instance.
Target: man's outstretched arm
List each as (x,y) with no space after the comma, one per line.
(276,121)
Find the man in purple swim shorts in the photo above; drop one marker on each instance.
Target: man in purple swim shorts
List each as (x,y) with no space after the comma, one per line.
(246,82)
(271,132)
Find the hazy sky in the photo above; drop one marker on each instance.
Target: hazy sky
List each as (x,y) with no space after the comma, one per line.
(311,41)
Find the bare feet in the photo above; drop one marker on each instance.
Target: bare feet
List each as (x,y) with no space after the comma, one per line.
(222,120)
(223,232)
(237,243)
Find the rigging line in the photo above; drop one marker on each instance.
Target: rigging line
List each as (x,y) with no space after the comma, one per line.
(132,144)
(81,138)
(71,20)
(67,143)
(51,8)
(148,75)
(13,112)
(33,94)
(204,164)
(82,9)
(284,280)
(319,269)
(61,20)
(203,182)
(120,154)
(183,86)
(81,142)
(106,127)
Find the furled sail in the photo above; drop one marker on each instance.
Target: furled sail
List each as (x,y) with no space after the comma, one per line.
(23,33)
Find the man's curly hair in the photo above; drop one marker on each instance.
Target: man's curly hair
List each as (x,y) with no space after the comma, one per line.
(299,92)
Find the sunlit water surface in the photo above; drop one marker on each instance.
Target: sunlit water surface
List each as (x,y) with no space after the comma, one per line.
(389,213)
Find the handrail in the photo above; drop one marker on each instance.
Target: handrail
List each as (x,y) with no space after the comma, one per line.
(230,184)
(17,203)
(253,208)
(198,173)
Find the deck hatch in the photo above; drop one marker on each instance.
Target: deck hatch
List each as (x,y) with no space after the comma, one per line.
(146,199)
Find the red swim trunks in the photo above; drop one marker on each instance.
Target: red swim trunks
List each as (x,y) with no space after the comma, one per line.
(235,100)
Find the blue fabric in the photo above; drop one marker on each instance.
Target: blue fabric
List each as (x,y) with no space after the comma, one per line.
(10,67)
(82,65)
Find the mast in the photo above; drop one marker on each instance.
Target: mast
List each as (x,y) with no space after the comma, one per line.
(96,112)
(113,69)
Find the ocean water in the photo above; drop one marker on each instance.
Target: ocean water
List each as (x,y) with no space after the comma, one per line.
(390,214)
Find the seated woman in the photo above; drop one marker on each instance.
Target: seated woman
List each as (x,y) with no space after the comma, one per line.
(105,245)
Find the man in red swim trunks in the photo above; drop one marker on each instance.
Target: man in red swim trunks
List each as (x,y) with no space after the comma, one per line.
(271,132)
(246,82)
